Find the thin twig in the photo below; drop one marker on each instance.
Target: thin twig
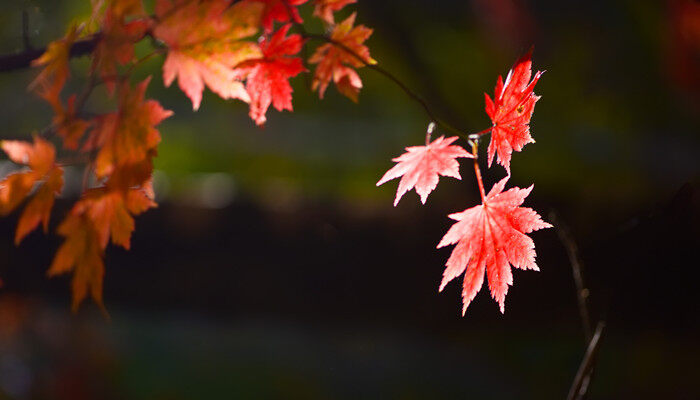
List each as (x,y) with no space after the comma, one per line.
(587,364)
(410,93)
(123,76)
(308,82)
(577,265)
(477,170)
(25,31)
(48,131)
(582,294)
(86,171)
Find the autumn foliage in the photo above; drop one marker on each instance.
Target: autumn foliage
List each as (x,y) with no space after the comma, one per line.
(420,167)
(491,237)
(245,50)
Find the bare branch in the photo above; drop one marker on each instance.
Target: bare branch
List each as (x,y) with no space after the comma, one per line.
(583,378)
(585,370)
(577,265)
(13,62)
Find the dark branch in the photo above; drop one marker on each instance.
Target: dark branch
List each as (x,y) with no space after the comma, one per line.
(582,382)
(410,93)
(585,370)
(13,62)
(577,266)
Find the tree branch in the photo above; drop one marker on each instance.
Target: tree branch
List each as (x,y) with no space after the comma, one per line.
(16,61)
(579,388)
(587,365)
(410,93)
(13,62)
(577,266)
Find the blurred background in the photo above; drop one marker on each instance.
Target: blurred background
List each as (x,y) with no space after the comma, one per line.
(274,268)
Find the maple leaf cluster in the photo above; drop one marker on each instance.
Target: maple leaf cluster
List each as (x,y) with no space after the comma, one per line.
(213,44)
(238,49)
(246,50)
(490,237)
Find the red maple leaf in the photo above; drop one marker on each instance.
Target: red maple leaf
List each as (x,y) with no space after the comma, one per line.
(324,9)
(421,165)
(267,78)
(511,111)
(281,11)
(490,238)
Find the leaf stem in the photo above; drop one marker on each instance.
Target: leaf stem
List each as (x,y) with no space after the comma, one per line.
(429,133)
(477,135)
(477,170)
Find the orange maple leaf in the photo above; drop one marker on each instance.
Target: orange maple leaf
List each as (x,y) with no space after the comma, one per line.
(14,188)
(38,210)
(117,38)
(126,7)
(133,175)
(127,136)
(324,9)
(82,254)
(40,158)
(336,64)
(204,44)
(68,125)
(111,213)
(101,214)
(51,80)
